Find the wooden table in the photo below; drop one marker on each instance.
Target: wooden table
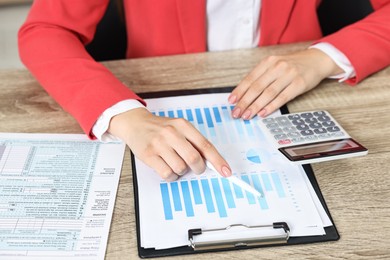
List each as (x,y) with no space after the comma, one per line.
(357,190)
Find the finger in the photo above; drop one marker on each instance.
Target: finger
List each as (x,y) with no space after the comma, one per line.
(161,167)
(269,93)
(183,148)
(244,85)
(208,151)
(255,90)
(289,93)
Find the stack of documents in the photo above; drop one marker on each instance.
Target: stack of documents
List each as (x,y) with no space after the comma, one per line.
(57,195)
(208,201)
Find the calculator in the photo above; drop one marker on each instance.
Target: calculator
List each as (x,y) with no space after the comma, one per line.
(310,137)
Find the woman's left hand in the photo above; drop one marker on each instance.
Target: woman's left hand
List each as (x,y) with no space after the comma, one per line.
(278,79)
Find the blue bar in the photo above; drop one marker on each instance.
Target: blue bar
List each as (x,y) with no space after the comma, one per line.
(176,196)
(228,120)
(199,117)
(180,114)
(228,193)
(207,195)
(266,181)
(208,117)
(249,129)
(249,196)
(196,192)
(218,198)
(238,192)
(217,115)
(187,199)
(166,201)
(161,113)
(154,113)
(278,185)
(257,186)
(171,114)
(189,115)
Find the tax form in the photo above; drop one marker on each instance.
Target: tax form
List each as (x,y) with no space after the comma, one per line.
(57,193)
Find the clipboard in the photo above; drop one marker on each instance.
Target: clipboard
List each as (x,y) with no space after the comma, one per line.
(281,239)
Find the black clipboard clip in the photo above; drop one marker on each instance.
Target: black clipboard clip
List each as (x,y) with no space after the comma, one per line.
(254,237)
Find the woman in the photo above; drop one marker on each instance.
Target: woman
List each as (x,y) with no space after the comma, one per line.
(52,44)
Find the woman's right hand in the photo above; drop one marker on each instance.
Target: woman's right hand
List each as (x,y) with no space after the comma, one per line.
(168,145)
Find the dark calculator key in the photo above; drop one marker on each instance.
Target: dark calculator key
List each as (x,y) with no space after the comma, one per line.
(319,113)
(324,118)
(307,132)
(315,125)
(293,117)
(302,127)
(333,129)
(328,123)
(306,115)
(320,131)
(311,120)
(298,121)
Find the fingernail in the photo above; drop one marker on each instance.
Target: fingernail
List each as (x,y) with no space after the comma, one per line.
(236,112)
(262,113)
(226,171)
(232,99)
(246,115)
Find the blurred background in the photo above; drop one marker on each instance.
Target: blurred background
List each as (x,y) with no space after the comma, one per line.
(12,15)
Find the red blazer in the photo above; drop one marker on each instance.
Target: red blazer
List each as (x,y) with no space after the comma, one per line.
(51,43)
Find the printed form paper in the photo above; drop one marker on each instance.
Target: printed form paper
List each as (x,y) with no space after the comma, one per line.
(209,201)
(57,194)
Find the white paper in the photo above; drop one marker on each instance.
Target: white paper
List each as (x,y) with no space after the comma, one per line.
(57,195)
(169,210)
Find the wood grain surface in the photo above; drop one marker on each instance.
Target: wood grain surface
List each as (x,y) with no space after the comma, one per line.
(357,190)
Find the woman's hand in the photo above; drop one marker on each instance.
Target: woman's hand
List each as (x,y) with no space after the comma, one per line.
(167,145)
(278,79)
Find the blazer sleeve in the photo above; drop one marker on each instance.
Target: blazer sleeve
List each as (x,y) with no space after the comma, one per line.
(366,43)
(51,45)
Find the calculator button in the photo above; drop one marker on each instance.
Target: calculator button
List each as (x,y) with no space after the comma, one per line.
(311,120)
(272,125)
(306,115)
(294,134)
(268,120)
(319,113)
(298,121)
(320,131)
(284,141)
(328,123)
(338,133)
(302,127)
(311,138)
(323,136)
(315,125)
(333,129)
(280,137)
(294,117)
(307,132)
(298,139)
(324,118)
(289,129)
(276,131)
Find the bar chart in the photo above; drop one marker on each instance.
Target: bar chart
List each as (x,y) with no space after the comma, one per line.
(217,195)
(216,124)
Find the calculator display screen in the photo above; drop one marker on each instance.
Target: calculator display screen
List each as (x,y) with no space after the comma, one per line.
(321,149)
